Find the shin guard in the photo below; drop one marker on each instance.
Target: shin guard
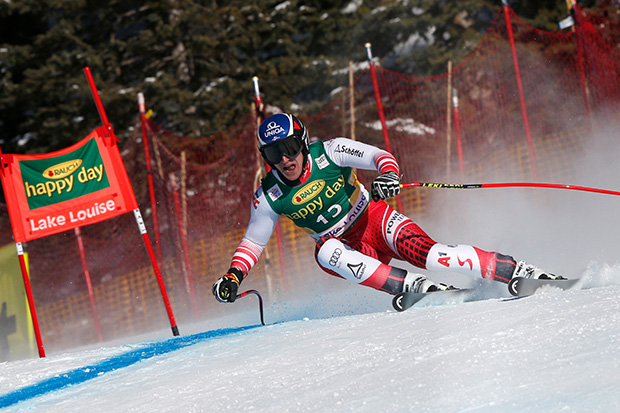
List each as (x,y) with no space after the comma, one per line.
(460,258)
(471,261)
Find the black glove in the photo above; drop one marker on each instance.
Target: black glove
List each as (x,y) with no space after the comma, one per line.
(386,185)
(225,289)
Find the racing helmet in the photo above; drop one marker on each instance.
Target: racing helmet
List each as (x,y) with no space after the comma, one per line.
(282,134)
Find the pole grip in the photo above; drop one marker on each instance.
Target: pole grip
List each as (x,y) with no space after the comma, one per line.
(368,51)
(255,83)
(141,103)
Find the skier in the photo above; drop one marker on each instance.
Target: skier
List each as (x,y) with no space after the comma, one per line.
(356,232)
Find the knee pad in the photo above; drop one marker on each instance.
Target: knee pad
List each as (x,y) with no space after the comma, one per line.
(345,261)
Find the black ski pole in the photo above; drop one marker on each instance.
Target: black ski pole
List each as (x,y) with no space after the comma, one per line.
(260,302)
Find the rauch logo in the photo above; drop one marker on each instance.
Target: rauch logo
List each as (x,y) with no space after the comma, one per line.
(308,192)
(62,169)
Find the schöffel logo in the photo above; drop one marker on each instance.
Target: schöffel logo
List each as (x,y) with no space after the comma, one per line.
(273,128)
(350,151)
(62,169)
(308,192)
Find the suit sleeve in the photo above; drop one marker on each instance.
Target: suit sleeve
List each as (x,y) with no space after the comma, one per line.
(263,221)
(354,154)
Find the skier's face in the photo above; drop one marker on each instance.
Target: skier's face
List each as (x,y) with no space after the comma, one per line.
(291,168)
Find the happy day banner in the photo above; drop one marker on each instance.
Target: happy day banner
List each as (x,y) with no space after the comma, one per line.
(55,192)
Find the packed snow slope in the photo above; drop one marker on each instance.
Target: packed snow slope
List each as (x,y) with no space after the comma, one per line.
(554,351)
(334,346)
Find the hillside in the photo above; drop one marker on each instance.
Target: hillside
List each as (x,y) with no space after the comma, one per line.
(194,61)
(553,351)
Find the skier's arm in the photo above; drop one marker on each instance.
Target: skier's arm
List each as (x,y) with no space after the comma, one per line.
(262,223)
(347,152)
(263,220)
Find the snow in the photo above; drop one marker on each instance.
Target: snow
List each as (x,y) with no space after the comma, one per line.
(554,351)
(281,6)
(416,41)
(333,346)
(357,66)
(352,7)
(403,125)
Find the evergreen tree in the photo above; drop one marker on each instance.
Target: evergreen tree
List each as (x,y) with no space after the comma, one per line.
(194,60)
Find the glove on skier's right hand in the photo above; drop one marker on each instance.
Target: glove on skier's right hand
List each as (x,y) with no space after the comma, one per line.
(225,289)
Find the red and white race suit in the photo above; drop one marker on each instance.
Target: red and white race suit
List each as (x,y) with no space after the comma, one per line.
(356,237)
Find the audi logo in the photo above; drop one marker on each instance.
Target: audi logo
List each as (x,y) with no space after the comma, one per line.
(333,260)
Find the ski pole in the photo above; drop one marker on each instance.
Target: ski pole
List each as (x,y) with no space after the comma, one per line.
(508,185)
(260,302)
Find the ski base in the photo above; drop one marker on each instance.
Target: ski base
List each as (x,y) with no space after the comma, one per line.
(520,287)
(403,301)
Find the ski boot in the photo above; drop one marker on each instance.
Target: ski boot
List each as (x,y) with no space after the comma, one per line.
(525,270)
(417,283)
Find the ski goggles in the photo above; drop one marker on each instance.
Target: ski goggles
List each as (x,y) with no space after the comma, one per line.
(289,147)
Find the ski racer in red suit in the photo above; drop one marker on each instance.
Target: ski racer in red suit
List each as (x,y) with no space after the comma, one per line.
(356,232)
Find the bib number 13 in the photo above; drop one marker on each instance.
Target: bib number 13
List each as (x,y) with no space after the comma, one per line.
(335,210)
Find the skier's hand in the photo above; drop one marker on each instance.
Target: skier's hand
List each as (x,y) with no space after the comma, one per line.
(225,289)
(386,185)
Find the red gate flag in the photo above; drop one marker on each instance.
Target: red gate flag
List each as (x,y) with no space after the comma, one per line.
(55,192)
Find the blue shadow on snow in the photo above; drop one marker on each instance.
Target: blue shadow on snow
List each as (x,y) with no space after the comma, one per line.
(82,374)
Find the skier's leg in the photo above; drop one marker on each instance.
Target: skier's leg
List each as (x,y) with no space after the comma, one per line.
(336,258)
(396,235)
(472,261)
(412,244)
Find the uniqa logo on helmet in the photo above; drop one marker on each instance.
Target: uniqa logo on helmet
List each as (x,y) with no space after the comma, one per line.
(273,129)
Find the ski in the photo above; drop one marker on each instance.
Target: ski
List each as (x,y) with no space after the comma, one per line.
(520,287)
(403,301)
